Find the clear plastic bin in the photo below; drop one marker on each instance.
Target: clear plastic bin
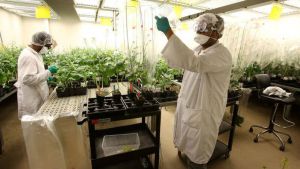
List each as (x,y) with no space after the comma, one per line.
(120,143)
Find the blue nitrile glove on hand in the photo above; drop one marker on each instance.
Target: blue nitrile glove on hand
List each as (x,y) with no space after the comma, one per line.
(53,69)
(50,79)
(162,24)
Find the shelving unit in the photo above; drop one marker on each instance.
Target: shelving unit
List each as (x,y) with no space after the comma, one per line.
(8,94)
(149,141)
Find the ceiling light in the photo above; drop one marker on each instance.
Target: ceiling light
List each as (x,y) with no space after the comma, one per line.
(111,3)
(246,14)
(35,2)
(104,13)
(87,19)
(212,4)
(85,11)
(87,2)
(295,3)
(267,9)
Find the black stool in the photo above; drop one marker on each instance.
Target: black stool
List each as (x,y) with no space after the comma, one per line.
(263,81)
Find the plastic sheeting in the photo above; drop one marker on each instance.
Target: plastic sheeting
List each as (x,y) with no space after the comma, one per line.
(263,40)
(55,141)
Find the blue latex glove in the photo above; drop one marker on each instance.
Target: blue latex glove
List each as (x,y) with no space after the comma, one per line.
(50,79)
(53,69)
(162,24)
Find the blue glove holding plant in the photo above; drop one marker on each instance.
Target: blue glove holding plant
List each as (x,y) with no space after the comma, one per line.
(162,24)
(50,79)
(53,69)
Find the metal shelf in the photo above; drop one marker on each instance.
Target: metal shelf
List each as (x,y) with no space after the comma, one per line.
(139,163)
(224,127)
(221,149)
(147,141)
(8,94)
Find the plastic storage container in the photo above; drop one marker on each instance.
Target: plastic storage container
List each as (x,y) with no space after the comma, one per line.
(120,143)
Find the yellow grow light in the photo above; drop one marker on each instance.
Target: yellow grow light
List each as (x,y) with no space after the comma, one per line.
(133,3)
(276,11)
(42,12)
(105,21)
(178,11)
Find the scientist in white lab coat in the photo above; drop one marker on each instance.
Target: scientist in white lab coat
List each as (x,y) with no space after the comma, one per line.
(203,95)
(32,84)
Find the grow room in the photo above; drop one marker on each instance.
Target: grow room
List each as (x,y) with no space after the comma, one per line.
(163,84)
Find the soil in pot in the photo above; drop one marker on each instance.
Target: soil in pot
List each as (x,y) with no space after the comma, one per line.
(100,96)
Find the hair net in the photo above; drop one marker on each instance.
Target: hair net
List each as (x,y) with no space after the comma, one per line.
(41,39)
(209,22)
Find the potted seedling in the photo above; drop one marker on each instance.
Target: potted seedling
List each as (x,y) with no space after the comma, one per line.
(100,96)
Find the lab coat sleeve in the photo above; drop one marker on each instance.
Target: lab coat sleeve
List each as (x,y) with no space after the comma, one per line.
(178,55)
(30,70)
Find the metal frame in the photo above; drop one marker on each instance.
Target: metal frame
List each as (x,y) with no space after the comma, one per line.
(227,8)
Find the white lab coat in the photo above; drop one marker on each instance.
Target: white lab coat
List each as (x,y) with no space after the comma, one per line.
(202,98)
(32,84)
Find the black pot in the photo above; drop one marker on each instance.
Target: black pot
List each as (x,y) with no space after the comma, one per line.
(61,92)
(80,91)
(100,100)
(91,84)
(116,97)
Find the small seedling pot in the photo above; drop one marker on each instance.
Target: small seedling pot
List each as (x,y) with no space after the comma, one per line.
(100,99)
(116,95)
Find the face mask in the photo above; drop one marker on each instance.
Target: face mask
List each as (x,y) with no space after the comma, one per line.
(44,50)
(201,39)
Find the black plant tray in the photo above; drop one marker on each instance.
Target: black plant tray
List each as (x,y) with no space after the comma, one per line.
(71,92)
(166,99)
(148,106)
(109,108)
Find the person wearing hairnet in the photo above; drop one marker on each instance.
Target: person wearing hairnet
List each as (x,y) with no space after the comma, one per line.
(32,84)
(202,99)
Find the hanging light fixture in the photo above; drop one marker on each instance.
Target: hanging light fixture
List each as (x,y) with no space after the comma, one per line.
(276,11)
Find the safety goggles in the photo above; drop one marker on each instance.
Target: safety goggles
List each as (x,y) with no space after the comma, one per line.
(202,27)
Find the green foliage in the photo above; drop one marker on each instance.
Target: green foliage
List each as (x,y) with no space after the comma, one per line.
(252,69)
(8,63)
(164,74)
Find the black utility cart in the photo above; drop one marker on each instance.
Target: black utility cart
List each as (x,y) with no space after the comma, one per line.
(149,141)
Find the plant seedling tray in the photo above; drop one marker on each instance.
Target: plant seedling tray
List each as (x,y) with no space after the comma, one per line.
(148,106)
(109,108)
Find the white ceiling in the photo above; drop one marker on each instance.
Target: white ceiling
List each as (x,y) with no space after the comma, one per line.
(24,7)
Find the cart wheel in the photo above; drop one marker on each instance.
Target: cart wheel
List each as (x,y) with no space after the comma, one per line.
(282,148)
(255,140)
(290,141)
(251,130)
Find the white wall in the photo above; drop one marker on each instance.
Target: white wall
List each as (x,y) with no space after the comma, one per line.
(31,25)
(11,28)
